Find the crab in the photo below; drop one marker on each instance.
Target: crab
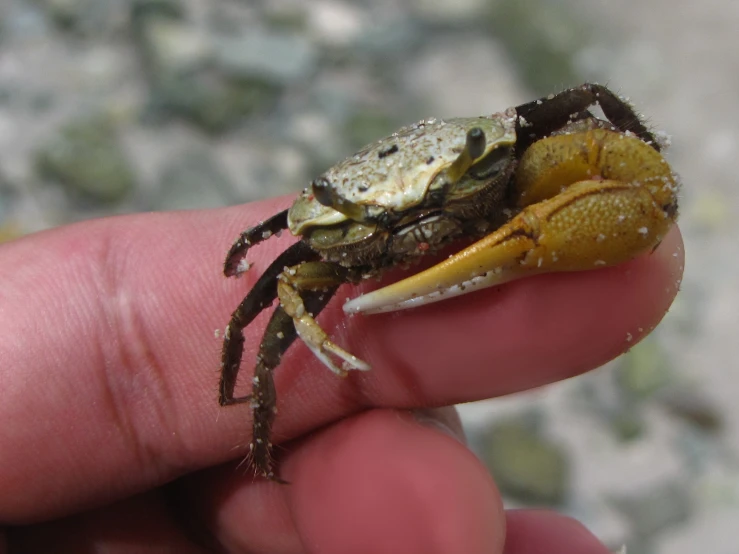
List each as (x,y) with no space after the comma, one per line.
(545,186)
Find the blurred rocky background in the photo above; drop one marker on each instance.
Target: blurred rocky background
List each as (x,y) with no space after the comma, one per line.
(113,106)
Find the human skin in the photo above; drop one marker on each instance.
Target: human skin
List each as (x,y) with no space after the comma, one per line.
(112,439)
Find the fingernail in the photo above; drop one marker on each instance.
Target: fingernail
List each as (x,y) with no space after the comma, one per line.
(444,419)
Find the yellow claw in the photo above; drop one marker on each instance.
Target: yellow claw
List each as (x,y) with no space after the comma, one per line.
(590,199)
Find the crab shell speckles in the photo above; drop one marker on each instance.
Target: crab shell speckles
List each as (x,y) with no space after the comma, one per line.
(395,173)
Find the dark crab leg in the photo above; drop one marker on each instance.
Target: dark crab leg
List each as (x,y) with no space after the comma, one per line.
(544,116)
(262,295)
(278,336)
(233,266)
(308,275)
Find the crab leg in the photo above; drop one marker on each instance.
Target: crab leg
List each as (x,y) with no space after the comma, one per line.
(542,117)
(278,336)
(315,276)
(590,199)
(260,297)
(234,265)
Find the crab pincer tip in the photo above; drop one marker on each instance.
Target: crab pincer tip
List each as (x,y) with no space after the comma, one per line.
(381,301)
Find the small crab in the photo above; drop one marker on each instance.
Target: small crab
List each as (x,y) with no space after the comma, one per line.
(545,186)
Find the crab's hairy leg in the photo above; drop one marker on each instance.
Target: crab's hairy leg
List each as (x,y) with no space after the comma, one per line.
(547,115)
(278,336)
(254,235)
(316,276)
(620,199)
(261,295)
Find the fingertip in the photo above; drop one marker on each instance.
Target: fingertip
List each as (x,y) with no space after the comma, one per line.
(523,334)
(382,482)
(536,531)
(670,256)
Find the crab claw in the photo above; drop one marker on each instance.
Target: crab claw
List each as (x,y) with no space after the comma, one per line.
(591,199)
(474,268)
(425,290)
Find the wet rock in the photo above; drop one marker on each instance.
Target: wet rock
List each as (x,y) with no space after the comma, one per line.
(336,24)
(638,375)
(637,545)
(398,35)
(86,17)
(366,126)
(526,465)
(174,48)
(288,17)
(693,407)
(88,159)
(10,228)
(7,196)
(182,69)
(627,423)
(653,511)
(602,401)
(479,64)
(442,11)
(715,532)
(644,370)
(22,21)
(193,180)
(142,10)
(542,38)
(710,212)
(213,104)
(312,129)
(268,56)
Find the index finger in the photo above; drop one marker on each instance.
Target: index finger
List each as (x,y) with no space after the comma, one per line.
(110,363)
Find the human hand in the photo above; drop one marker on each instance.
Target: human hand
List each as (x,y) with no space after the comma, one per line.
(112,439)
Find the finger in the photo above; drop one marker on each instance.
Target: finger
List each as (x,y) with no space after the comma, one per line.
(536,531)
(524,334)
(110,363)
(377,482)
(143,524)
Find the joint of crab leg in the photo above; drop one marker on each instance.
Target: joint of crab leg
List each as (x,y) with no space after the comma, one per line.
(236,264)
(474,147)
(325,193)
(350,360)
(311,333)
(315,338)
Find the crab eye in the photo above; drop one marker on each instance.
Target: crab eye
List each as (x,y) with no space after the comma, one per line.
(475,143)
(323,191)
(474,147)
(492,164)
